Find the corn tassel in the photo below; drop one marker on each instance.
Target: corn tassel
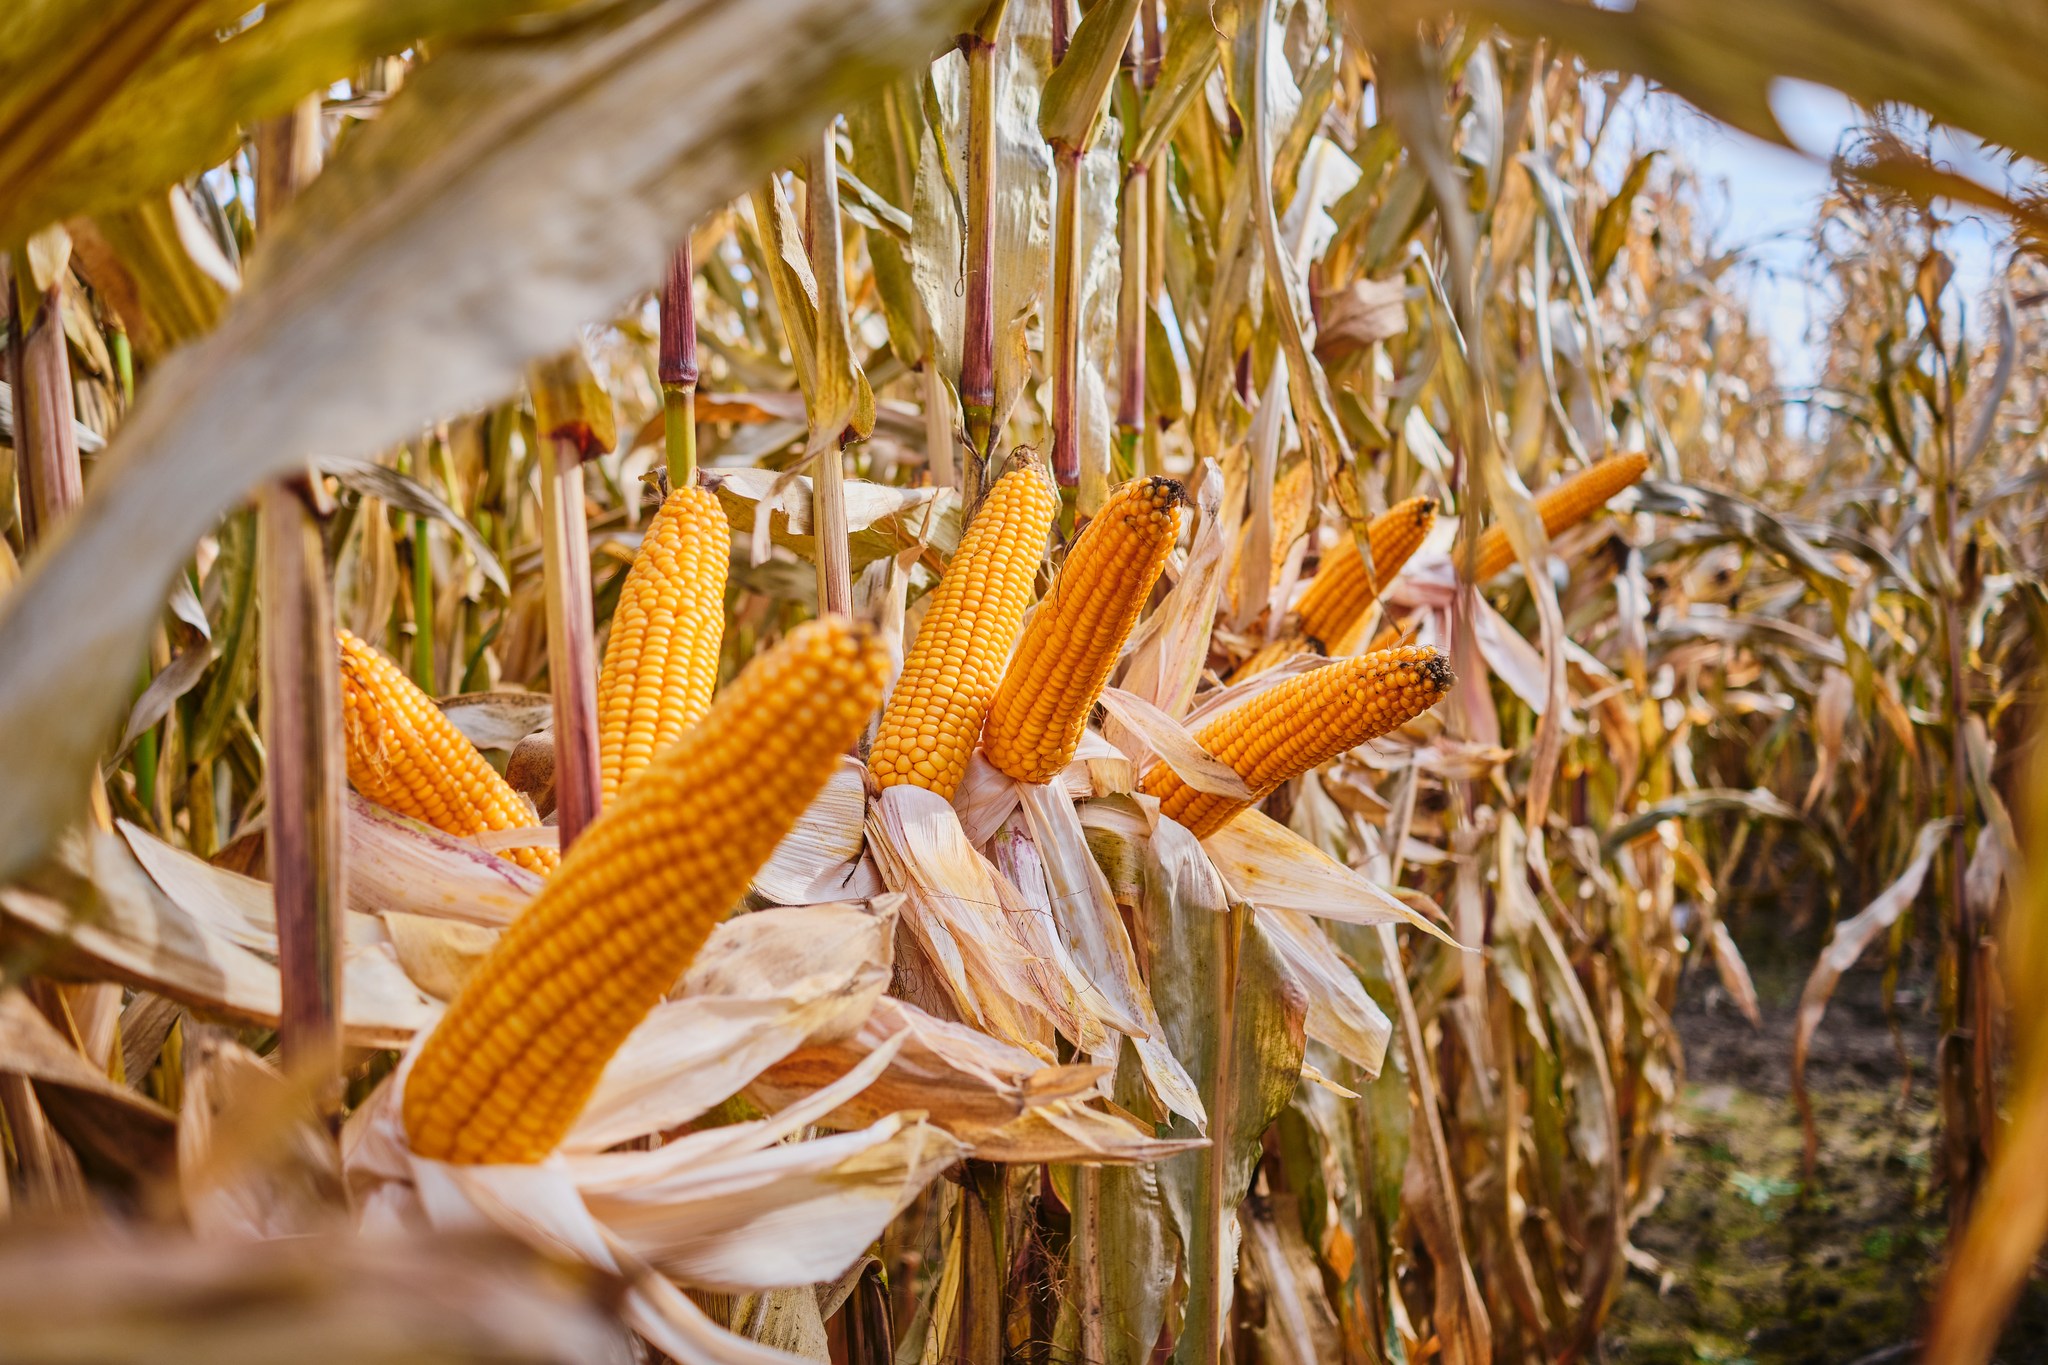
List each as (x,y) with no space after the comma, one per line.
(512,1063)
(1562,506)
(661,662)
(1345,585)
(1071,646)
(935,714)
(406,756)
(1302,724)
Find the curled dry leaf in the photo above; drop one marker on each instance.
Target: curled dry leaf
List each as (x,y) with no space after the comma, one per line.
(763,985)
(1340,1014)
(499,720)
(1734,972)
(105,1122)
(1845,945)
(1085,909)
(958,910)
(820,859)
(106,916)
(401,865)
(1268,864)
(1159,734)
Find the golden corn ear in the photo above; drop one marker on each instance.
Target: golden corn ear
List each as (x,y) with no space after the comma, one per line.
(661,662)
(1344,586)
(406,756)
(1302,724)
(512,1063)
(935,714)
(1041,709)
(1564,505)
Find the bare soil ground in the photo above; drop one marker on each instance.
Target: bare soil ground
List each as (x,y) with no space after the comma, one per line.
(1756,1264)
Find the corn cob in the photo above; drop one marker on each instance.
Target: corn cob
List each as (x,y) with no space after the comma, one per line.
(512,1063)
(934,716)
(406,756)
(1563,505)
(661,662)
(1041,709)
(1344,586)
(1291,507)
(1302,724)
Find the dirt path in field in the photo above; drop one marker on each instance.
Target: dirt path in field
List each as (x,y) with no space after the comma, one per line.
(1759,1267)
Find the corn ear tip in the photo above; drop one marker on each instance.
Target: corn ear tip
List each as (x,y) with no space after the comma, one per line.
(1437,668)
(1171,492)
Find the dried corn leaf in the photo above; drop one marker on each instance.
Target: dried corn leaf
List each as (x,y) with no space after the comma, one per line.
(1340,1014)
(156,1295)
(1845,945)
(1242,1037)
(880,520)
(1170,646)
(1167,738)
(376,990)
(254,1159)
(820,860)
(104,1121)
(959,914)
(397,864)
(1085,910)
(763,985)
(1000,1101)
(1270,865)
(499,720)
(109,921)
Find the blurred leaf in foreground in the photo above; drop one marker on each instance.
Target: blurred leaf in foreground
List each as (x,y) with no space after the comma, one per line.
(511,192)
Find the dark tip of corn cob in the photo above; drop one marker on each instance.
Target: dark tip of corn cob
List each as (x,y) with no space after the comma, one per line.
(1438,670)
(1173,490)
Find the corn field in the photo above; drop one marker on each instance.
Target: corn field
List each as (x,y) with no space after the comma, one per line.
(990,680)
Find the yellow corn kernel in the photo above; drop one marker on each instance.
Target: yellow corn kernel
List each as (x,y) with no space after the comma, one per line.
(1564,505)
(1302,724)
(1064,660)
(935,713)
(1345,585)
(406,756)
(661,662)
(512,1063)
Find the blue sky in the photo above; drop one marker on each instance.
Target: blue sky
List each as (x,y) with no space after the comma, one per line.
(1762,199)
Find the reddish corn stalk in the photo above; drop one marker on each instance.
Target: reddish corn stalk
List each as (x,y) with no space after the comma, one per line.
(1065,358)
(677,367)
(1133,292)
(304,764)
(1070,118)
(978,345)
(302,743)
